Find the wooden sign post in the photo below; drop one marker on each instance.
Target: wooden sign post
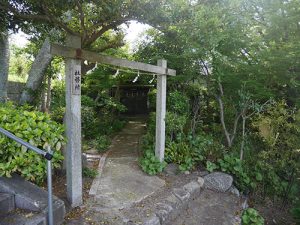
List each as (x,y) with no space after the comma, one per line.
(74,54)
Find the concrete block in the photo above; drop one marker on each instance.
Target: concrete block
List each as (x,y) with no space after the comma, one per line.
(31,197)
(23,218)
(181,194)
(7,203)
(37,220)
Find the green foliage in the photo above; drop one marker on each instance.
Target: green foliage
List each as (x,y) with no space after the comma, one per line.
(210,166)
(152,99)
(89,122)
(295,198)
(187,151)
(88,172)
(233,165)
(58,102)
(244,55)
(150,164)
(19,65)
(296,212)
(174,125)
(279,129)
(179,153)
(57,114)
(36,128)
(251,217)
(87,101)
(187,164)
(178,103)
(103,142)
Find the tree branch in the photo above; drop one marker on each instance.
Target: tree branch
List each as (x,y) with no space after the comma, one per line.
(237,118)
(100,32)
(57,22)
(32,17)
(227,135)
(81,13)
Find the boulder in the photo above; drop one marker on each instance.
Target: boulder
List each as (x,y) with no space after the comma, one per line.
(218,181)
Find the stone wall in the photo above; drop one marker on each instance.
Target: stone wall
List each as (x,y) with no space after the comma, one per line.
(14,90)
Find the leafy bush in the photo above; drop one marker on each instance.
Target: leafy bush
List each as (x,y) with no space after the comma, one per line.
(174,125)
(88,172)
(87,101)
(233,165)
(58,94)
(278,162)
(89,122)
(150,164)
(210,166)
(187,164)
(58,113)
(251,217)
(296,211)
(177,152)
(187,151)
(178,103)
(103,143)
(36,128)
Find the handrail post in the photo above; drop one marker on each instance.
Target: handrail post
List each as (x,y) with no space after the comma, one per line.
(49,184)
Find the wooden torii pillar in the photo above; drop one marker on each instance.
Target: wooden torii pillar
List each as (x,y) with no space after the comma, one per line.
(73,55)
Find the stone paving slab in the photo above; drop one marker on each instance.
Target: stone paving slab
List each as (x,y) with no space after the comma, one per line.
(121,182)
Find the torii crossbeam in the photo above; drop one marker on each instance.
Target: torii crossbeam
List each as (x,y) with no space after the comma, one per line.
(73,55)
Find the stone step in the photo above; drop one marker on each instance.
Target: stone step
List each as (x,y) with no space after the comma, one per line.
(23,217)
(7,203)
(31,197)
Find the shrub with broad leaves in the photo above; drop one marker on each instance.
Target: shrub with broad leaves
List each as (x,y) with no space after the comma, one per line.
(36,128)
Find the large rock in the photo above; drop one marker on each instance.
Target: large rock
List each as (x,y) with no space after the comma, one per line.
(218,181)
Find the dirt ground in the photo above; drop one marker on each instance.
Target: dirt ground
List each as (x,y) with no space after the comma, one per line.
(273,215)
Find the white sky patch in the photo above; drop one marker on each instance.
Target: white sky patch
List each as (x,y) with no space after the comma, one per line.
(19,39)
(134,33)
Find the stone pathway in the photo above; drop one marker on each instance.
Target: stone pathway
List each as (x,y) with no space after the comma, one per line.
(120,182)
(211,208)
(123,194)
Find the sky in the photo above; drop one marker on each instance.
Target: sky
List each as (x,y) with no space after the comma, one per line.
(133,32)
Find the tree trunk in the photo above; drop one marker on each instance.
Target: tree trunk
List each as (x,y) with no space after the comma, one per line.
(43,98)
(4,66)
(243,137)
(229,136)
(226,133)
(37,73)
(48,100)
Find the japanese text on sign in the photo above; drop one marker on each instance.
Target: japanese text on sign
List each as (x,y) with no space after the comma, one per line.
(76,80)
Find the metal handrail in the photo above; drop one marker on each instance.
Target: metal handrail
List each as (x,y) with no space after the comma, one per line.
(48,155)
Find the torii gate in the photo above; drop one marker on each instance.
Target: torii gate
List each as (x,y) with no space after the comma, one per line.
(74,54)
